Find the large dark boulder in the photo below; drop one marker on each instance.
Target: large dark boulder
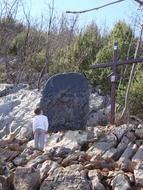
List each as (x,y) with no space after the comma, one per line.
(65,100)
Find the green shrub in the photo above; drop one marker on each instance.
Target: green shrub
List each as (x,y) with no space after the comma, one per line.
(135,95)
(38,59)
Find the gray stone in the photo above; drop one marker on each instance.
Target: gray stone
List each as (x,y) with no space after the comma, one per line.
(100,117)
(26,178)
(110,154)
(120,131)
(124,162)
(97,102)
(97,132)
(72,140)
(95,178)
(138,173)
(75,157)
(69,178)
(102,145)
(26,156)
(65,101)
(6,89)
(131,178)
(128,153)
(6,154)
(139,131)
(121,182)
(4,185)
(122,146)
(16,111)
(47,167)
(139,155)
(3,132)
(38,160)
(59,151)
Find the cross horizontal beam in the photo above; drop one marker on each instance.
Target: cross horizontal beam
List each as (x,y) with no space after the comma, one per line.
(104,65)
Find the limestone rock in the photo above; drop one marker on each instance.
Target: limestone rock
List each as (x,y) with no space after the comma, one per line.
(47,167)
(95,178)
(26,156)
(120,131)
(138,173)
(102,145)
(3,132)
(98,102)
(59,151)
(122,146)
(101,157)
(66,179)
(72,140)
(139,131)
(4,185)
(26,178)
(75,157)
(99,107)
(97,118)
(120,181)
(16,110)
(139,155)
(39,159)
(6,89)
(110,154)
(128,153)
(7,155)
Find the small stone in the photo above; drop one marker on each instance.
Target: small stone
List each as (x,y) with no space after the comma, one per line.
(120,182)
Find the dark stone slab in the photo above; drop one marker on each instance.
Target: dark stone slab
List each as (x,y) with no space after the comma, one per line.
(65,101)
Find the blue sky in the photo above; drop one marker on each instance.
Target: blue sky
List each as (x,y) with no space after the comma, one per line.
(107,16)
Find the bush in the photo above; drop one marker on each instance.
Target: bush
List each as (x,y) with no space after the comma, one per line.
(136,95)
(38,60)
(2,75)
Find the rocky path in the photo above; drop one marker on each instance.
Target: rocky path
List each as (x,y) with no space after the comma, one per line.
(100,158)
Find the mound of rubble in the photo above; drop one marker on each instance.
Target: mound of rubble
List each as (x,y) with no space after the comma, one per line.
(97,157)
(100,158)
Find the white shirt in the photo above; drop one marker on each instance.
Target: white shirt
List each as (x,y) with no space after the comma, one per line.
(40,122)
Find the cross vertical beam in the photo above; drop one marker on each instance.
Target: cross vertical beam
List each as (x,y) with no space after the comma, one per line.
(113,75)
(113,82)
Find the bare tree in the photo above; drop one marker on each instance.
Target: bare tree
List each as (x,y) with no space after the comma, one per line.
(8,12)
(46,65)
(31,42)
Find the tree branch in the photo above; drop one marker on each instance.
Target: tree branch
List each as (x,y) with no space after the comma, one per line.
(96,8)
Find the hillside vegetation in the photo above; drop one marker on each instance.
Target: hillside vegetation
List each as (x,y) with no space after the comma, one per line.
(28,52)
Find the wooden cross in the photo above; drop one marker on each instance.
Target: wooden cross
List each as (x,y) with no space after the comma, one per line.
(113,76)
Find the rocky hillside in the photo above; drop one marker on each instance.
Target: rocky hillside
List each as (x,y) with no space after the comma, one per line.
(97,157)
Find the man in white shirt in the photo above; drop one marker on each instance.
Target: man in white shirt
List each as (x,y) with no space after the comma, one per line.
(40,127)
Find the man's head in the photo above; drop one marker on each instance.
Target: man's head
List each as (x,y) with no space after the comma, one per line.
(38,111)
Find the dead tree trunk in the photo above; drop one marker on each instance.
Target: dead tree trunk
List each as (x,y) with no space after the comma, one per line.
(46,65)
